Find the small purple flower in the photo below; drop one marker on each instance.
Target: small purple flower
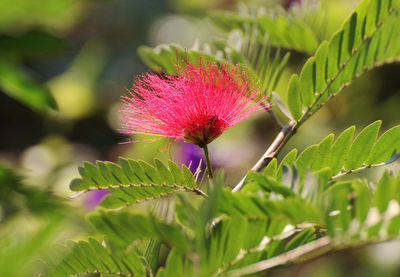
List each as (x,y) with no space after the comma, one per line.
(93,198)
(191,155)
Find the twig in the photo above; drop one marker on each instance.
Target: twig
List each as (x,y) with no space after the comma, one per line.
(297,255)
(286,132)
(304,253)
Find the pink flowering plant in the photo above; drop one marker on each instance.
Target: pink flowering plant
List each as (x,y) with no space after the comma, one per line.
(197,105)
(286,208)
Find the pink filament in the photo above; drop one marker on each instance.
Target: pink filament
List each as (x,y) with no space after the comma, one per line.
(200,101)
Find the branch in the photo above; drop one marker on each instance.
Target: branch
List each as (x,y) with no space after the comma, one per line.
(280,140)
(304,253)
(300,254)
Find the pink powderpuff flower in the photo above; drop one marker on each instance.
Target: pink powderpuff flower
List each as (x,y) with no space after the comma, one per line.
(197,105)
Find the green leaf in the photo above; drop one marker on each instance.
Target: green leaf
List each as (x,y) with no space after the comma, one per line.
(307,82)
(114,202)
(293,209)
(288,159)
(386,146)
(382,193)
(125,228)
(22,248)
(271,168)
(174,265)
(165,173)
(334,157)
(340,149)
(270,185)
(152,254)
(281,105)
(186,213)
(362,145)
(176,172)
(320,66)
(92,257)
(167,57)
(322,156)
(188,177)
(282,31)
(362,200)
(302,238)
(133,181)
(258,60)
(304,161)
(294,97)
(354,212)
(17,197)
(360,45)
(17,84)
(281,65)
(32,44)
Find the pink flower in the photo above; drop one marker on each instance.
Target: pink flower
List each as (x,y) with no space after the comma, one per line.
(197,105)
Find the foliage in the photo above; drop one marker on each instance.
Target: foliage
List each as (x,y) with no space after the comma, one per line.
(366,40)
(20,251)
(13,192)
(91,257)
(281,29)
(134,181)
(15,79)
(19,85)
(286,210)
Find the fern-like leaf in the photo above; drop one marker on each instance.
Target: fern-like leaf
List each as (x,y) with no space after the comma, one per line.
(124,228)
(82,258)
(369,38)
(341,157)
(353,214)
(165,58)
(134,181)
(282,31)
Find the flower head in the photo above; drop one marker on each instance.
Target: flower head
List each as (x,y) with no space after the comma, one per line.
(197,105)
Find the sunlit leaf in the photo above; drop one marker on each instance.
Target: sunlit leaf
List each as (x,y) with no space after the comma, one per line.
(133,181)
(362,145)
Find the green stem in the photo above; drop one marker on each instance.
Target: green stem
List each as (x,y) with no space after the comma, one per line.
(209,168)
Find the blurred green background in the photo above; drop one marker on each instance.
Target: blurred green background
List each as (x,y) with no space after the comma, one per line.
(63,66)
